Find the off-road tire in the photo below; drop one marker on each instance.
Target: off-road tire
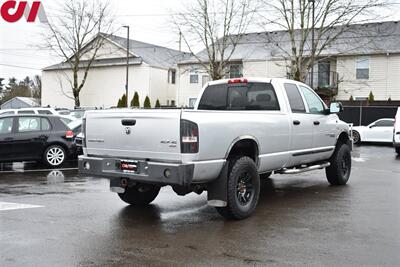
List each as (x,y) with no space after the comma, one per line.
(241,170)
(140,194)
(339,171)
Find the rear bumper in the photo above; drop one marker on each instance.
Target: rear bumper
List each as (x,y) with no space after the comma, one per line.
(148,172)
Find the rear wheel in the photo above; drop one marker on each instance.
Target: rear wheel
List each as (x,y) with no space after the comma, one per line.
(356,137)
(243,189)
(398,150)
(54,156)
(140,194)
(339,171)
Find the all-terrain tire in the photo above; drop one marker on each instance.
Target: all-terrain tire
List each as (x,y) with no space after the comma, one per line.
(140,194)
(243,187)
(339,171)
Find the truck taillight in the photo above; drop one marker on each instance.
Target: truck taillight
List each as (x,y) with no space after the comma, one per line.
(189,137)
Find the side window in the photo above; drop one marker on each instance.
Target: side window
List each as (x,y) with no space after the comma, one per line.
(384,123)
(45,112)
(45,125)
(295,100)
(213,98)
(28,124)
(6,125)
(314,103)
(25,112)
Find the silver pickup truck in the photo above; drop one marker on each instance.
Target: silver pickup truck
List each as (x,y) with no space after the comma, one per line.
(239,131)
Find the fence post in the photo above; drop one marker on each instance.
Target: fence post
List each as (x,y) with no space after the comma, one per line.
(361,109)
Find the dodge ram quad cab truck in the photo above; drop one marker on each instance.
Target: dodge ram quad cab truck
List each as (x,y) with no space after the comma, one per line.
(239,131)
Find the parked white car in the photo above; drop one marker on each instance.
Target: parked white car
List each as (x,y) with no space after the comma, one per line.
(379,131)
(396,132)
(40,111)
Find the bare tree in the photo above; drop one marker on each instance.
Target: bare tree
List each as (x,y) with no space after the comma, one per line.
(217,25)
(323,21)
(75,34)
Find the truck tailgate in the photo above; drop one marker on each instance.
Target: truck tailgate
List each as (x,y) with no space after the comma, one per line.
(136,134)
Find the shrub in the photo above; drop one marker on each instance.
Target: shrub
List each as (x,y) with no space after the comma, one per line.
(158,104)
(147,103)
(135,100)
(371,97)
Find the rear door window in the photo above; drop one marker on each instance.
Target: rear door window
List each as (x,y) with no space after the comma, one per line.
(295,99)
(29,124)
(251,96)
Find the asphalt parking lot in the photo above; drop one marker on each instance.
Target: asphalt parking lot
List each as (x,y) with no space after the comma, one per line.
(55,218)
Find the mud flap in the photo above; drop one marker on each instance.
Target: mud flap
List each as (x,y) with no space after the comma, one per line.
(217,191)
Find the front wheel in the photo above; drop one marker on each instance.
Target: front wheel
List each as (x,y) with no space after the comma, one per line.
(243,189)
(339,171)
(140,194)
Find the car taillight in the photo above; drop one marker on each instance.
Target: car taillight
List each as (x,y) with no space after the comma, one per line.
(189,137)
(69,135)
(241,80)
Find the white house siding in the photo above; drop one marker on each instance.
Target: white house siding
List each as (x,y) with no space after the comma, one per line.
(384,78)
(103,88)
(186,89)
(160,88)
(107,50)
(254,69)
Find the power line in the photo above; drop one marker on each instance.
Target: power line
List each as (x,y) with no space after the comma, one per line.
(16,66)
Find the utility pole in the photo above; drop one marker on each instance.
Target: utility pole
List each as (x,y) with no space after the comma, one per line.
(127,67)
(180,41)
(312,42)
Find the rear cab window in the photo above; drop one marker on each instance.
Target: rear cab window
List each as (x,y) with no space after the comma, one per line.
(295,100)
(241,96)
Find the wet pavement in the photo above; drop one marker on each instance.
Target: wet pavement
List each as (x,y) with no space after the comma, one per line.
(55,218)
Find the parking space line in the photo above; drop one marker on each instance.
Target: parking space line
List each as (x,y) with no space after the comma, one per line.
(16,206)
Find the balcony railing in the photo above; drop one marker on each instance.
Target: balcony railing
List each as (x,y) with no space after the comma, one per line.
(323,80)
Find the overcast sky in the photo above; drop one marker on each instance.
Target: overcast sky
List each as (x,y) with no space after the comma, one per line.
(149,21)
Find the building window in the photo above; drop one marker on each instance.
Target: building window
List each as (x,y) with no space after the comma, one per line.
(194,78)
(192,102)
(205,79)
(235,71)
(362,68)
(172,76)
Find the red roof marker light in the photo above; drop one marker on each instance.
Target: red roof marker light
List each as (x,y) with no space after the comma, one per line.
(241,80)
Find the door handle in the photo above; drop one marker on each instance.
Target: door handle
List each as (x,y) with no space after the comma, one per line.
(317,123)
(296,122)
(128,122)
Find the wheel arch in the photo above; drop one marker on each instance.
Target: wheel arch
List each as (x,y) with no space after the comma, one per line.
(344,138)
(245,145)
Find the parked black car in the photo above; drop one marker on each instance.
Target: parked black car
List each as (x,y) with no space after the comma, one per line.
(36,137)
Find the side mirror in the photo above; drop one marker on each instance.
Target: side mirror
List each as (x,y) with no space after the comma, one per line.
(336,107)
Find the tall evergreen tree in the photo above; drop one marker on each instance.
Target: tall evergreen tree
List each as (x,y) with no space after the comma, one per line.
(135,101)
(158,104)
(147,103)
